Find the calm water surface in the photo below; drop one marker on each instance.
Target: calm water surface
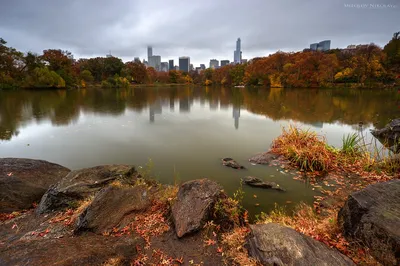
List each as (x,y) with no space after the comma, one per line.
(185,130)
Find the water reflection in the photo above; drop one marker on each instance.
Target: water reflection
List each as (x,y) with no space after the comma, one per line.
(309,106)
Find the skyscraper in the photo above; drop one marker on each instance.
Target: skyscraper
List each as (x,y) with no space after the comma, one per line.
(155,62)
(237,54)
(171,64)
(149,52)
(224,62)
(164,66)
(321,46)
(214,63)
(184,63)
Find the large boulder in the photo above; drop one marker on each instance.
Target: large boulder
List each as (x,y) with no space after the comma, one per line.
(24,181)
(264,158)
(80,184)
(274,244)
(229,162)
(194,205)
(83,250)
(372,215)
(111,206)
(389,135)
(257,182)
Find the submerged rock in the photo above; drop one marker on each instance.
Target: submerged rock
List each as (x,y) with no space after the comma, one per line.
(229,162)
(80,184)
(194,204)
(111,206)
(264,158)
(274,244)
(257,182)
(372,215)
(24,181)
(389,135)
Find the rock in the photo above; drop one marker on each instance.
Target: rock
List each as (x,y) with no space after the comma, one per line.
(24,181)
(83,250)
(229,162)
(80,184)
(264,158)
(194,205)
(372,215)
(257,182)
(389,135)
(111,206)
(274,244)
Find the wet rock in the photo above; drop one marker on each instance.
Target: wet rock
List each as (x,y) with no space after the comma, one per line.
(194,205)
(264,158)
(24,181)
(229,162)
(80,184)
(372,215)
(257,182)
(273,244)
(111,206)
(83,250)
(389,135)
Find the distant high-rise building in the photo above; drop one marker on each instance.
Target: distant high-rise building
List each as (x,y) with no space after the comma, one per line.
(202,66)
(244,61)
(171,64)
(136,59)
(191,68)
(321,46)
(184,63)
(164,66)
(214,63)
(155,62)
(324,45)
(149,52)
(237,54)
(224,63)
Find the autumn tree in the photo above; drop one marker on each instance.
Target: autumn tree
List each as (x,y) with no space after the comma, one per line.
(392,50)
(60,62)
(135,71)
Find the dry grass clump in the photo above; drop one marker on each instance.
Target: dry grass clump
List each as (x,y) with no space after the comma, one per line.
(304,149)
(233,247)
(70,216)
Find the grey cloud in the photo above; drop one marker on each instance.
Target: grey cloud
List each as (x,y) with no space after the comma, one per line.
(201,29)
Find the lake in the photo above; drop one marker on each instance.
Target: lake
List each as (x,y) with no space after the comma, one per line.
(186,131)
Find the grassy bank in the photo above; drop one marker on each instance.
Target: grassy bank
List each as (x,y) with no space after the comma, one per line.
(335,173)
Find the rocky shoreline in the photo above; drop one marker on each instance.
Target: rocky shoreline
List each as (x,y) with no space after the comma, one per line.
(111,215)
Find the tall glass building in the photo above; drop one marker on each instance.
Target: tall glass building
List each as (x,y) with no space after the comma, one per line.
(184,63)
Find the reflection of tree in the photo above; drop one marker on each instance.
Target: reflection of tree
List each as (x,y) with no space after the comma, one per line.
(311,106)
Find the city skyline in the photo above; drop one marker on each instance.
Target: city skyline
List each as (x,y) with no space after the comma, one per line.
(92,28)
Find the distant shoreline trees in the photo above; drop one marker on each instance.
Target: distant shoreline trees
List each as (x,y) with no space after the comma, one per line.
(364,65)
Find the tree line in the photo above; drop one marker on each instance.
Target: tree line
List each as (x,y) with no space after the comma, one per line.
(360,66)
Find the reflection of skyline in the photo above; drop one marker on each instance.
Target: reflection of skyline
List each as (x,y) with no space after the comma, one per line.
(236,115)
(61,107)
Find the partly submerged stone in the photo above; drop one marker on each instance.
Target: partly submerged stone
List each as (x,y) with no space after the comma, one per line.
(111,206)
(257,182)
(229,162)
(389,135)
(372,215)
(194,205)
(274,244)
(24,181)
(80,184)
(264,158)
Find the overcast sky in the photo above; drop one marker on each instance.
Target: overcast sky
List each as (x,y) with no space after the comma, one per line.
(201,29)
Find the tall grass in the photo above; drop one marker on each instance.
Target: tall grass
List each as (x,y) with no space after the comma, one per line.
(305,149)
(351,144)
